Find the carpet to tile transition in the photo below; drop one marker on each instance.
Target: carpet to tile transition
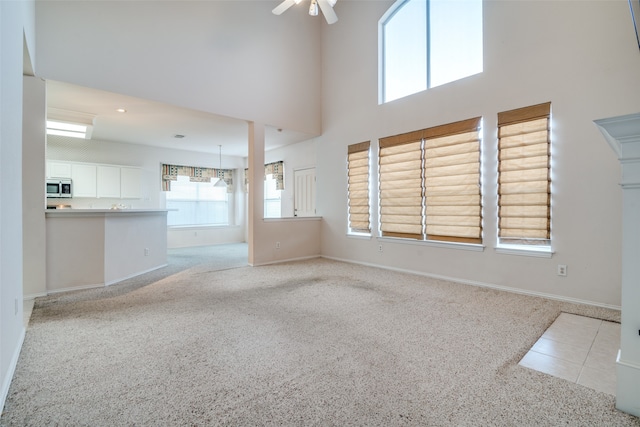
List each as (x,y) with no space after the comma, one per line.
(316,342)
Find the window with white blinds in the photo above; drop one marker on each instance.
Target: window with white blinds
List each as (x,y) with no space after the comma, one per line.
(358,187)
(524,182)
(430,184)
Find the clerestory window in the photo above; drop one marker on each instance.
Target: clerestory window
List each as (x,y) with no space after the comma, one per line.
(427,43)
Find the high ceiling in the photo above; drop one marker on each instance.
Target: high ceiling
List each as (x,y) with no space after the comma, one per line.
(156,124)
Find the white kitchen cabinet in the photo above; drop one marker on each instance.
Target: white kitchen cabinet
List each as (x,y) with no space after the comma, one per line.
(58,170)
(83,180)
(130,183)
(108,181)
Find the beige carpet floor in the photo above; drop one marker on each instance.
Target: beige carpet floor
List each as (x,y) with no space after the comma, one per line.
(312,343)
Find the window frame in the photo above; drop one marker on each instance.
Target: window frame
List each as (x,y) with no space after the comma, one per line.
(398,169)
(536,246)
(354,154)
(228,203)
(388,16)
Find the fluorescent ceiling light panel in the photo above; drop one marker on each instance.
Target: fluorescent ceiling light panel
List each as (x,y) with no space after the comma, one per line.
(72,130)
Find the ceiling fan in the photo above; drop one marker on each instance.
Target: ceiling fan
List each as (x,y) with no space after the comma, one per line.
(325,5)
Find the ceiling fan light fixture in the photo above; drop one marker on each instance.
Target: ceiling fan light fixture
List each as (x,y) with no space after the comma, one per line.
(313,8)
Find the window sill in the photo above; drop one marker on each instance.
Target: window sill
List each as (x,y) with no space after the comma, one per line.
(361,236)
(436,244)
(199,226)
(544,252)
(293,218)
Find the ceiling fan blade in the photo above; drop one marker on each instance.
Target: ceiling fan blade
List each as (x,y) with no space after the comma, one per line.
(286,4)
(328,12)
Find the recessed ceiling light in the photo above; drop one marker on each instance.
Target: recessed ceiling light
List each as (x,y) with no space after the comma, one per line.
(121,110)
(178,136)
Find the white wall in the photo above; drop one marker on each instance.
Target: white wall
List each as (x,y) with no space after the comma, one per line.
(582,56)
(233,58)
(16,27)
(295,156)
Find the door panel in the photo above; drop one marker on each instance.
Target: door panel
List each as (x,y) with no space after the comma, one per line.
(305,192)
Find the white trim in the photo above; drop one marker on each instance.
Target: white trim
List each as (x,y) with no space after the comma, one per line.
(293,218)
(285,260)
(75,288)
(102,285)
(360,236)
(525,251)
(6,384)
(111,282)
(31,297)
(434,243)
(628,378)
(482,284)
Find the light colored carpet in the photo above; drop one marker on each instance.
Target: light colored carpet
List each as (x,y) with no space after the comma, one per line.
(316,342)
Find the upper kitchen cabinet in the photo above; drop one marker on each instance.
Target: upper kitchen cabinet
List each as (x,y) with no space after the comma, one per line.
(58,170)
(83,179)
(109,181)
(130,183)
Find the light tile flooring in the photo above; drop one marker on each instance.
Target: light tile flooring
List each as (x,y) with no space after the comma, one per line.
(578,349)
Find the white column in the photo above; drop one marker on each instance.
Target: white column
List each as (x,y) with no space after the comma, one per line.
(256,186)
(623,135)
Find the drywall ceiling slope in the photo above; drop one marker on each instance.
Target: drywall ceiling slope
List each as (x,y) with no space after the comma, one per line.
(233,58)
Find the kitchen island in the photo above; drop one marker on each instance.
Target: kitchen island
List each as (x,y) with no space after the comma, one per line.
(88,248)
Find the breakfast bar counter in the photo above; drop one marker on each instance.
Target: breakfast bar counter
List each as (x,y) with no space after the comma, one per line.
(89,248)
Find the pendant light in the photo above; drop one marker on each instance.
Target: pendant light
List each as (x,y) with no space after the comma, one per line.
(220,182)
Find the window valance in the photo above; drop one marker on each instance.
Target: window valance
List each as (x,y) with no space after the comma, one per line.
(195,174)
(277,170)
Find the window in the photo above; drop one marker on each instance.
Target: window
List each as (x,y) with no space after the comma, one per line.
(430,184)
(427,43)
(197,203)
(524,183)
(272,197)
(358,187)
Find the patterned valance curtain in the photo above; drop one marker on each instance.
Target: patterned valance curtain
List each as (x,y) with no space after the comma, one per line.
(277,170)
(195,174)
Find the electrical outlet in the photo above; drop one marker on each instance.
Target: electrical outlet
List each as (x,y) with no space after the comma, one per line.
(380,247)
(146,251)
(562,270)
(277,245)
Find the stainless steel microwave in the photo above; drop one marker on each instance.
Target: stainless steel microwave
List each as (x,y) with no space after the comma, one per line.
(58,187)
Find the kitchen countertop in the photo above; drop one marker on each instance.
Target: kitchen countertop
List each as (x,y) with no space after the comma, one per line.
(71,212)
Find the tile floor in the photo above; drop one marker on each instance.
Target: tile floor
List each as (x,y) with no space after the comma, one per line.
(578,349)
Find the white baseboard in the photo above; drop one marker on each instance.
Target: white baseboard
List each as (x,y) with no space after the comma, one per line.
(285,260)
(483,285)
(6,383)
(30,297)
(111,282)
(75,288)
(628,387)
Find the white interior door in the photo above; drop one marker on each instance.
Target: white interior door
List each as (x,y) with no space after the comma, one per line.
(304,199)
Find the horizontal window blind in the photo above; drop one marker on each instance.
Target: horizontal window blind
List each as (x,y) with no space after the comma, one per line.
(452,182)
(400,180)
(524,183)
(358,187)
